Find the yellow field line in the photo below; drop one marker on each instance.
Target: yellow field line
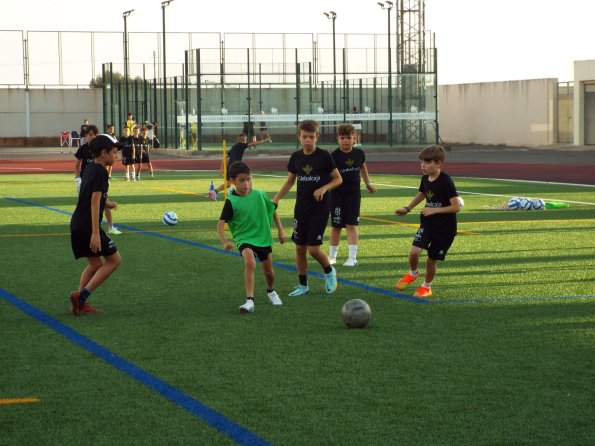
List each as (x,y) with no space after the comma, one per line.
(169,189)
(7,401)
(576,220)
(398,223)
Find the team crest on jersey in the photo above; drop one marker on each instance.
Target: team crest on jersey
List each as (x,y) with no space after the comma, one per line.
(349,162)
(429,195)
(307,169)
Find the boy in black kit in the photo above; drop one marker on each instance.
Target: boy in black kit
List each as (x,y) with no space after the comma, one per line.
(346,199)
(84,157)
(316,174)
(438,219)
(128,154)
(236,153)
(87,238)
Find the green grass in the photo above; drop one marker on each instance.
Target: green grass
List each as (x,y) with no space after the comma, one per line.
(503,355)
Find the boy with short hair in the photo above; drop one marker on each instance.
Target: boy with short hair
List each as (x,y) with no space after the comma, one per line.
(236,153)
(87,238)
(138,151)
(438,220)
(346,199)
(128,154)
(316,174)
(83,157)
(145,144)
(248,212)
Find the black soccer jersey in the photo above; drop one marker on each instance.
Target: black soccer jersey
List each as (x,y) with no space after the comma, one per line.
(127,150)
(95,179)
(312,172)
(83,153)
(349,165)
(438,194)
(236,153)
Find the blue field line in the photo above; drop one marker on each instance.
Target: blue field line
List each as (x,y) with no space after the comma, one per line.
(292,268)
(238,433)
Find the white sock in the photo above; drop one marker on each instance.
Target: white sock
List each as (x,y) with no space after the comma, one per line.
(353,251)
(333,251)
(427,284)
(414,273)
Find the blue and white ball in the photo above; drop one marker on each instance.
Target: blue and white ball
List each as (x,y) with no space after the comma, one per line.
(514,203)
(170,218)
(525,204)
(538,204)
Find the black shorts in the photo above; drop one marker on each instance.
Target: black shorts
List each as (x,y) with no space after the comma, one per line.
(437,245)
(308,229)
(345,208)
(80,245)
(127,157)
(145,158)
(261,252)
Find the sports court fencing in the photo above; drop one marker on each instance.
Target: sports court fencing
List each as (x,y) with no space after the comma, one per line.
(288,76)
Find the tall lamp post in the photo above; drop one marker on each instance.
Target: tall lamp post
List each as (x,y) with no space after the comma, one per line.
(388,6)
(332,15)
(126,74)
(164,4)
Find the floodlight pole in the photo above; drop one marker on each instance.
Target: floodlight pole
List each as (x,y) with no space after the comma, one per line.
(164,4)
(332,15)
(388,6)
(125,14)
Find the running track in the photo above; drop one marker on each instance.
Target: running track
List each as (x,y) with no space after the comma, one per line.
(547,171)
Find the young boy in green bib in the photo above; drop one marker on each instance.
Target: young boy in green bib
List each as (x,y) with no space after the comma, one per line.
(248,213)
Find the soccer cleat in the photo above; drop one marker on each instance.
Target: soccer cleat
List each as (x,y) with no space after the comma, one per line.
(350,262)
(114,231)
(274,298)
(332,260)
(405,281)
(88,309)
(74,299)
(299,290)
(248,307)
(330,281)
(423,292)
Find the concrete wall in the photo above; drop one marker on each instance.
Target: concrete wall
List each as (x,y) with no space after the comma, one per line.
(517,113)
(584,73)
(51,111)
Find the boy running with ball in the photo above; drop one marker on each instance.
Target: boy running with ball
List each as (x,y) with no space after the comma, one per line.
(438,219)
(248,213)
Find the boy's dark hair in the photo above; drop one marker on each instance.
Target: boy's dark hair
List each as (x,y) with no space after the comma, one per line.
(345,130)
(91,128)
(432,153)
(238,168)
(309,125)
(109,125)
(241,135)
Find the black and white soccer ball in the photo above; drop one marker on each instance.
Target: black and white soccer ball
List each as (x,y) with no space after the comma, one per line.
(356,313)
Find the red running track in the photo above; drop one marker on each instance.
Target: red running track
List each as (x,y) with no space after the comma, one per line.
(562,173)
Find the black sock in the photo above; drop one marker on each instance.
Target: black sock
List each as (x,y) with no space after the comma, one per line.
(328,269)
(270,290)
(84,295)
(250,298)
(303,279)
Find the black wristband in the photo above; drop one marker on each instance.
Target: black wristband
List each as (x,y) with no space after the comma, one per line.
(408,208)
